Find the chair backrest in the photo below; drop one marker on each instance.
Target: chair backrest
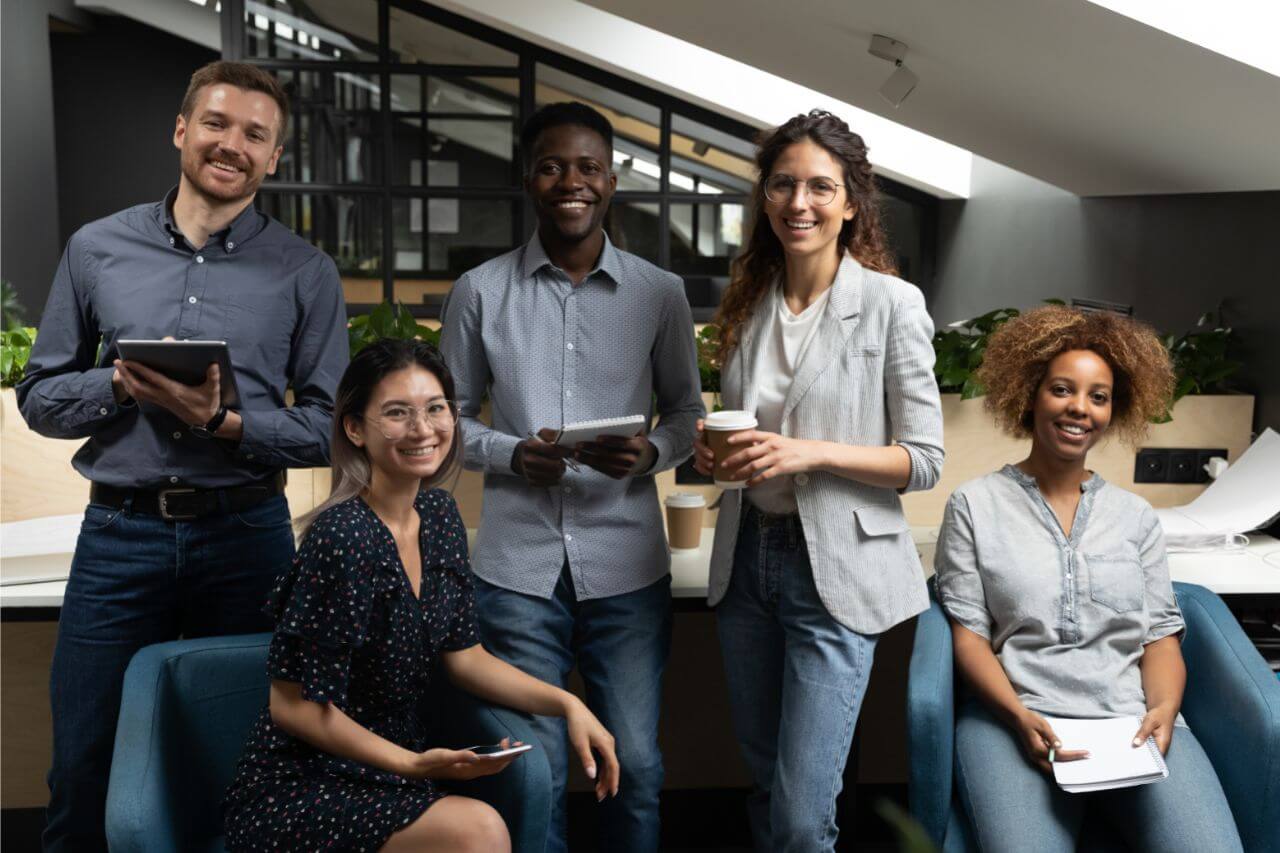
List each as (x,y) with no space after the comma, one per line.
(184,717)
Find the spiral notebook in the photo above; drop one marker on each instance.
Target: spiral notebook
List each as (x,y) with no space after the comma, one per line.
(1113,762)
(571,434)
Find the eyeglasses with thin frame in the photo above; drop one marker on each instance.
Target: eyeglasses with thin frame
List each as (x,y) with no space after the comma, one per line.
(780,188)
(395,421)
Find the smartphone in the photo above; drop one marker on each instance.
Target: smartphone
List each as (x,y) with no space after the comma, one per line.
(497,750)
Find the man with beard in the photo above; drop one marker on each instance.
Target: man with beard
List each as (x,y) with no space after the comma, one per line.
(187,523)
(571,563)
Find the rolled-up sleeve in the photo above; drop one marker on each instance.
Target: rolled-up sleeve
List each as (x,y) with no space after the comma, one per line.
(955,563)
(915,409)
(1164,617)
(462,345)
(64,395)
(677,384)
(298,436)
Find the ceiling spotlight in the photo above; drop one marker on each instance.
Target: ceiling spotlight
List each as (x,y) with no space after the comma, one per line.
(903,80)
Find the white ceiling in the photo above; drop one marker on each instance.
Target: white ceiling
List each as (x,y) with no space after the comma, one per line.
(1062,90)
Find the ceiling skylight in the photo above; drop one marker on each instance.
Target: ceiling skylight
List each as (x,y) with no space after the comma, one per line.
(1244,30)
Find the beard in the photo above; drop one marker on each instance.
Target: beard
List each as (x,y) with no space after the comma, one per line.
(195,166)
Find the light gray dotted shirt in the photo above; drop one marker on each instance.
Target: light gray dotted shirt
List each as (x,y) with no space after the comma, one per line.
(548,353)
(1066,616)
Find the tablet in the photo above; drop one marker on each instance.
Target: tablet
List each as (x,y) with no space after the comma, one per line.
(185,361)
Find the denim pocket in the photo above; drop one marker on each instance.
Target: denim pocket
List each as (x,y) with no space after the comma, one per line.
(268,515)
(1115,582)
(98,517)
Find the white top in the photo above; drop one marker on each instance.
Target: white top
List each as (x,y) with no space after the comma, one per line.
(788,338)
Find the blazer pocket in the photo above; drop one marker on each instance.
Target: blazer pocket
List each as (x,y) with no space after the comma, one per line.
(880,520)
(865,351)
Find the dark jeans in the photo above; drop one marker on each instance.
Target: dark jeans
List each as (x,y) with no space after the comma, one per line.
(620,646)
(136,580)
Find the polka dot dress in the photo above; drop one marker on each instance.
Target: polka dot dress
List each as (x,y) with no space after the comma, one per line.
(351,632)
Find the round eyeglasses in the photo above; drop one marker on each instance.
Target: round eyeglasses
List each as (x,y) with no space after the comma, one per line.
(395,421)
(780,188)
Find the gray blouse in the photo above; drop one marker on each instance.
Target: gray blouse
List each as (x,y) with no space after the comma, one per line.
(1066,616)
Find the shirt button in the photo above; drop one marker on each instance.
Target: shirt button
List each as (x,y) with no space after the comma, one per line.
(568,538)
(199,259)
(171,241)
(173,479)
(177,434)
(569,346)
(192,300)
(230,245)
(102,411)
(568,393)
(568,489)
(802,479)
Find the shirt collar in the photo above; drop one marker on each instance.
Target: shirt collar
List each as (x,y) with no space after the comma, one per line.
(1092,484)
(246,225)
(535,258)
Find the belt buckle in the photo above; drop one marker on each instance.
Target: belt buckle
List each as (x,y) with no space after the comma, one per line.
(164,504)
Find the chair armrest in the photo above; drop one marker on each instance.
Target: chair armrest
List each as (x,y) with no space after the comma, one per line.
(183,713)
(522,792)
(931,722)
(1232,703)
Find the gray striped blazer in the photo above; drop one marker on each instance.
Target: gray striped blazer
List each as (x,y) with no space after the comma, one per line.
(865,379)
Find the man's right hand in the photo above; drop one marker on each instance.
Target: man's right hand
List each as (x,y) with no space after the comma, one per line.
(540,462)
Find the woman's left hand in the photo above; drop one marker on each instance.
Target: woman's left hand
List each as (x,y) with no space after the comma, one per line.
(586,734)
(1158,723)
(772,455)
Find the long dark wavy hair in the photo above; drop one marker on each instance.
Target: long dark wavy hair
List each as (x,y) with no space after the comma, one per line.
(759,264)
(350,464)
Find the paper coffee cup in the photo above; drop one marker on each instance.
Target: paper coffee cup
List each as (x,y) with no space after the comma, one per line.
(684,520)
(718,428)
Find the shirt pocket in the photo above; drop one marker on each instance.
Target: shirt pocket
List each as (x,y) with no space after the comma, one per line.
(1115,581)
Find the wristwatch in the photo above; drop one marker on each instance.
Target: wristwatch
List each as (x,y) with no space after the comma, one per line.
(211,427)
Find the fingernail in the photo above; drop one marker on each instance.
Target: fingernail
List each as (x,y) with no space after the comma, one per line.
(1057,744)
(1137,741)
(591,772)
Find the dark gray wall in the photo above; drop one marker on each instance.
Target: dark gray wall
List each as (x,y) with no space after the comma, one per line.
(116,93)
(28,206)
(1017,241)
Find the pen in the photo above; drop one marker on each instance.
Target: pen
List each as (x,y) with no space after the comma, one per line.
(569,461)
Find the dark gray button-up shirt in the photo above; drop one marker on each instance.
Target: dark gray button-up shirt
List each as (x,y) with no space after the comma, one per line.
(1066,616)
(548,354)
(274,298)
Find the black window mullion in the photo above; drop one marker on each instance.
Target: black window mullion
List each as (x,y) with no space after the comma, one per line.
(384,105)
(528,103)
(664,189)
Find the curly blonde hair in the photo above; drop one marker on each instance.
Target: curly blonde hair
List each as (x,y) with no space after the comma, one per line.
(1019,352)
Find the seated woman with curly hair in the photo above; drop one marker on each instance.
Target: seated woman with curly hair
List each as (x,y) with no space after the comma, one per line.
(1058,591)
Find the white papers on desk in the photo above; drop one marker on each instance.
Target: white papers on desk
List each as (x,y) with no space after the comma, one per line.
(1246,496)
(39,549)
(1113,762)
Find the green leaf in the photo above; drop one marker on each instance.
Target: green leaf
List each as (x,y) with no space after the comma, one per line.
(972,388)
(1055,301)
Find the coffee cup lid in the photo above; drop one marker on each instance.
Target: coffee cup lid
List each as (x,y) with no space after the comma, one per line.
(730,419)
(685,500)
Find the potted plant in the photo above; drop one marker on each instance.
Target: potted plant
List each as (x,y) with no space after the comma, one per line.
(387,321)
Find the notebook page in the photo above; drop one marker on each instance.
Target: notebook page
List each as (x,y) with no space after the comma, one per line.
(1112,755)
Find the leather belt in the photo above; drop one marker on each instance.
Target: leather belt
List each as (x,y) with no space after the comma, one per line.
(185,503)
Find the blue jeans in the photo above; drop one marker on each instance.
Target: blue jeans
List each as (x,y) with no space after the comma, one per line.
(136,580)
(620,645)
(796,681)
(1013,806)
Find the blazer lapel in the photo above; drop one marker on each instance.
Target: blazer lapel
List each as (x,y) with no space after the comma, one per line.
(838,322)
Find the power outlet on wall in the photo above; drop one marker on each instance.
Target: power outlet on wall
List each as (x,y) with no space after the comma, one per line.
(1174,464)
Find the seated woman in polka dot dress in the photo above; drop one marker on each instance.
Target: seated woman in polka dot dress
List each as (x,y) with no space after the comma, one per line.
(379,591)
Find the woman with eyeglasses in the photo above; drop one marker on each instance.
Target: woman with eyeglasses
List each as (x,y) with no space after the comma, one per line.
(379,593)
(813,560)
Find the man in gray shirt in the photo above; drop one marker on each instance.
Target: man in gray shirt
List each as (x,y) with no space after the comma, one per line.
(571,562)
(187,523)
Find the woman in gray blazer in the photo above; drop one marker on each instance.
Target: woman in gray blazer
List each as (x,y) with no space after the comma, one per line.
(813,560)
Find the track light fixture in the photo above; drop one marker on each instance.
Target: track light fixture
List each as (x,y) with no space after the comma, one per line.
(903,80)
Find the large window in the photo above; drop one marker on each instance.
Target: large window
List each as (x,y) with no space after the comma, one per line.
(403,161)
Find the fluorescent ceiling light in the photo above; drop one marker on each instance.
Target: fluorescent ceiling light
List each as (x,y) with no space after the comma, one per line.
(1244,30)
(718,83)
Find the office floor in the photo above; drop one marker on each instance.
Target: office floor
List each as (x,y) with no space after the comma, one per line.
(693,821)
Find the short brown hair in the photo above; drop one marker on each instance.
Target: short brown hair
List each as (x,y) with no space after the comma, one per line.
(242,75)
(1019,353)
